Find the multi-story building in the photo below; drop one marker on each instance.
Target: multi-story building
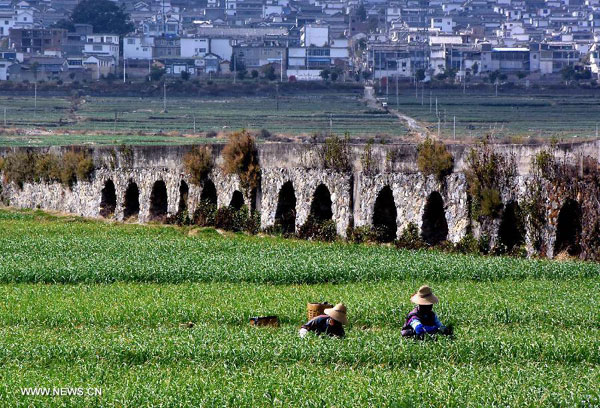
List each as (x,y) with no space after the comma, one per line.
(37,40)
(102,45)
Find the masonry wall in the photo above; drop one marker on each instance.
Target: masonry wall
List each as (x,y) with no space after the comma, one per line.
(352,194)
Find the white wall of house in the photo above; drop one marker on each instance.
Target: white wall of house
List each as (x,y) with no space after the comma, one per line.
(138,47)
(221,47)
(317,36)
(194,47)
(7,22)
(304,74)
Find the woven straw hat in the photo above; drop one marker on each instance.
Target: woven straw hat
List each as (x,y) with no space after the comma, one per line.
(424,296)
(338,313)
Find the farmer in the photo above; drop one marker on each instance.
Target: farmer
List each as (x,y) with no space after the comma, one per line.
(422,318)
(330,323)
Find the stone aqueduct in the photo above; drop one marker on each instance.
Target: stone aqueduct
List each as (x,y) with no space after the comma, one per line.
(150,182)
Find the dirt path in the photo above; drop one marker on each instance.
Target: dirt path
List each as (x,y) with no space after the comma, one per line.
(411,123)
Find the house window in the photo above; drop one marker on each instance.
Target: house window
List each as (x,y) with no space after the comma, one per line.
(97,48)
(130,41)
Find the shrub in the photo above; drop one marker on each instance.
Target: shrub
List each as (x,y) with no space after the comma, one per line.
(265,134)
(410,238)
(205,214)
(19,168)
(320,231)
(47,167)
(433,158)
(224,218)
(335,154)
(1,162)
(358,235)
(366,159)
(198,163)
(253,223)
(467,245)
(240,156)
(487,173)
(76,166)
(211,134)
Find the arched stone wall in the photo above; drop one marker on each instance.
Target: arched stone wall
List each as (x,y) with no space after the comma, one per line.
(305,182)
(410,193)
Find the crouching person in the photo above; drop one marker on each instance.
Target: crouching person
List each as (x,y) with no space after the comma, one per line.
(331,323)
(422,319)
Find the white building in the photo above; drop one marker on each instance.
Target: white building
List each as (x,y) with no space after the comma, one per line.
(7,21)
(195,47)
(138,47)
(444,24)
(313,35)
(102,45)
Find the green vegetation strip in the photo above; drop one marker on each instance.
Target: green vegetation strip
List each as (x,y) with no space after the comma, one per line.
(527,333)
(40,248)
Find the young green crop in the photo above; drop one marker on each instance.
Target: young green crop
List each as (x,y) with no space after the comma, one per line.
(526,332)
(37,248)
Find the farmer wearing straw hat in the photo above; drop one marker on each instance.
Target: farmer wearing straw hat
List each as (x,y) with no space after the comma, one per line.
(331,323)
(422,318)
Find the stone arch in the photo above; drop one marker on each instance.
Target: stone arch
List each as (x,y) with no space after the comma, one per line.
(131,205)
(511,232)
(237,200)
(320,207)
(108,199)
(385,215)
(285,215)
(434,228)
(159,202)
(209,192)
(184,191)
(568,229)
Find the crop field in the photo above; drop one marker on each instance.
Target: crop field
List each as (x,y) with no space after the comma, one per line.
(480,113)
(143,121)
(93,304)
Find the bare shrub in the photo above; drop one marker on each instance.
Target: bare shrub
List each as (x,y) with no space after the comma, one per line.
(198,163)
(335,154)
(240,157)
(433,158)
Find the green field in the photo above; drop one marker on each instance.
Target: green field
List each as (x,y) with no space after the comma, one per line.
(479,113)
(142,120)
(92,304)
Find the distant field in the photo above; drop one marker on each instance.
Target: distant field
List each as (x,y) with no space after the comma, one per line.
(509,114)
(297,115)
(92,304)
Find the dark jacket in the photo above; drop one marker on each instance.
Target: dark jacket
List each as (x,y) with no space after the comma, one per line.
(320,324)
(426,319)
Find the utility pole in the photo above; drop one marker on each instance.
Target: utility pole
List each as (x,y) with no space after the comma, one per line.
(387,86)
(277,97)
(35,99)
(422,93)
(430,101)
(436,108)
(496,87)
(165,96)
(398,100)
(5,119)
(454,128)
(281,68)
(124,69)
(439,124)
(330,124)
(194,124)
(234,66)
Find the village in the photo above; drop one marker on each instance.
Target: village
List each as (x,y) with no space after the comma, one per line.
(493,41)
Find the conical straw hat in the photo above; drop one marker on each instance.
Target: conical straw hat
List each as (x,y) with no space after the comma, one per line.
(338,313)
(424,296)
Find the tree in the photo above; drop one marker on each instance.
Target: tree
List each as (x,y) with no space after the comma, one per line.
(241,74)
(185,75)
(269,71)
(254,74)
(361,12)
(420,74)
(104,15)
(334,76)
(324,74)
(35,68)
(156,73)
(475,68)
(235,64)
